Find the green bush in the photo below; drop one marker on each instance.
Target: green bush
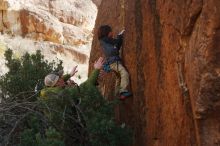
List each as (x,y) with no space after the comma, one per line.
(53,138)
(18,92)
(94,123)
(24,73)
(30,138)
(100,119)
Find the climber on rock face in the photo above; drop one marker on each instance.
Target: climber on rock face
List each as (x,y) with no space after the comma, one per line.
(111,47)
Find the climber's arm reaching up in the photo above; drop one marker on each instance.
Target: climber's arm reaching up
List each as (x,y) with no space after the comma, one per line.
(119,39)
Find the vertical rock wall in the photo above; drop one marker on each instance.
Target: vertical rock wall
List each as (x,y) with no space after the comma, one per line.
(172,52)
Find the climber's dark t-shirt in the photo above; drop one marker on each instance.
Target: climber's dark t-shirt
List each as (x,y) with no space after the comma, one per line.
(111,47)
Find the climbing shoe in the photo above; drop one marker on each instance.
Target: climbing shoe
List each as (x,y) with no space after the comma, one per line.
(124,95)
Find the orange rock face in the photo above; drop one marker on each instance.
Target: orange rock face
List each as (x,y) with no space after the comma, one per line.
(37,29)
(172,52)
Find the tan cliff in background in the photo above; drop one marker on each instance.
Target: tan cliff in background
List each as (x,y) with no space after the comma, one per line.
(172,52)
(60,29)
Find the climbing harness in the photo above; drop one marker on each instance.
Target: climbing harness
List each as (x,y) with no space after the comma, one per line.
(106,67)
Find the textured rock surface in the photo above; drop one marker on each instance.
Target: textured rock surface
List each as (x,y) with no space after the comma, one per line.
(46,25)
(172,52)
(48,20)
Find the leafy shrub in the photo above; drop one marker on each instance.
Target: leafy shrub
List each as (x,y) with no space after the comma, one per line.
(91,123)
(24,73)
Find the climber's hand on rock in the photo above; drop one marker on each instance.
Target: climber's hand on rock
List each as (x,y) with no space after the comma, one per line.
(74,71)
(122,32)
(99,63)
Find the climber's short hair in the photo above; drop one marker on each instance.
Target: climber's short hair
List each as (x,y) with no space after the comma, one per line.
(103,31)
